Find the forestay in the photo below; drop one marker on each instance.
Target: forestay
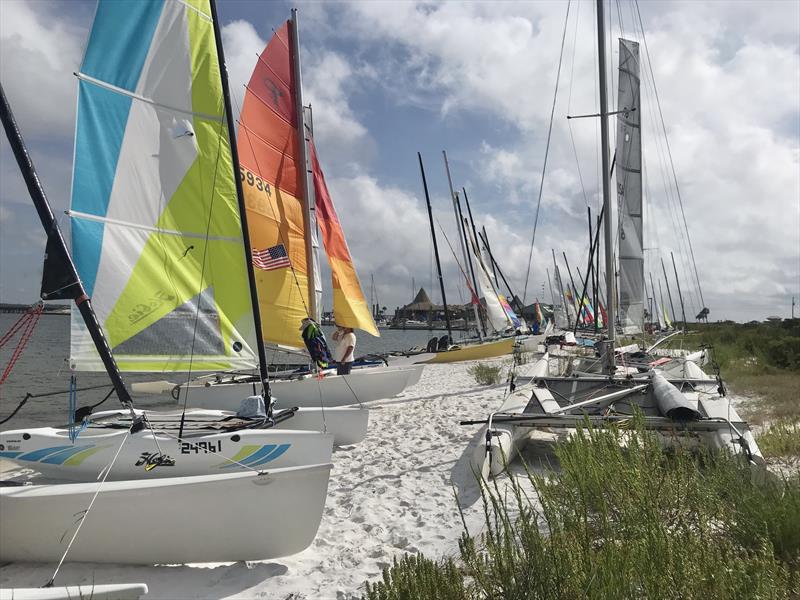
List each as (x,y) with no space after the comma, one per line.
(156,233)
(629,190)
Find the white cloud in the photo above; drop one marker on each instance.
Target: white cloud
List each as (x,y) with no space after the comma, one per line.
(38,58)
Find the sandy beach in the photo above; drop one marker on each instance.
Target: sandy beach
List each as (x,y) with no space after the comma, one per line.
(392,494)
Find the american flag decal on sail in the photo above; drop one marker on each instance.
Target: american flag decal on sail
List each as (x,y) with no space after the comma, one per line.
(271,258)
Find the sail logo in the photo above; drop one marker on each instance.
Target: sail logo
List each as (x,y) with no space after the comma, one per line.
(141,310)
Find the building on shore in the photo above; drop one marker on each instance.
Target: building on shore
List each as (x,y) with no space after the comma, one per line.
(421,313)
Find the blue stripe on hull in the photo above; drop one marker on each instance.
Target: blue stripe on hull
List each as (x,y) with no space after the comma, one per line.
(280,450)
(42,452)
(59,457)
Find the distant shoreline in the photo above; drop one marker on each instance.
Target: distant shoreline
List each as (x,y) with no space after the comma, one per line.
(49,309)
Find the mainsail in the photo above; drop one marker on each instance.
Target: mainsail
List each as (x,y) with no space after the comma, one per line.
(272,171)
(629,190)
(156,233)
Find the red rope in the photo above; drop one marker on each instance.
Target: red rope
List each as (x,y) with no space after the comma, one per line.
(26,324)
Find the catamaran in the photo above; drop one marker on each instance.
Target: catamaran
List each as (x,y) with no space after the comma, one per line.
(159,247)
(684,406)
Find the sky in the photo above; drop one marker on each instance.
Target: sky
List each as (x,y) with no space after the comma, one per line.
(720,114)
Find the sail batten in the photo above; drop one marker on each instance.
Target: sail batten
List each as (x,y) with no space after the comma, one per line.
(155,222)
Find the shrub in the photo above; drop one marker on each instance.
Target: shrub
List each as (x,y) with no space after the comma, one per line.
(415,577)
(624,519)
(485,374)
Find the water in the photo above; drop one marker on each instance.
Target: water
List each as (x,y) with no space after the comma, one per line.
(43,368)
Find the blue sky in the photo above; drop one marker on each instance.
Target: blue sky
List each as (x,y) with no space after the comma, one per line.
(388,79)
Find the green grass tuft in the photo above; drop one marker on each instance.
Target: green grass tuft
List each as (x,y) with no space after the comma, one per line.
(415,577)
(485,374)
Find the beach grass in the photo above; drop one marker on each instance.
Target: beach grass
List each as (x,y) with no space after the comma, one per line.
(485,374)
(621,518)
(781,440)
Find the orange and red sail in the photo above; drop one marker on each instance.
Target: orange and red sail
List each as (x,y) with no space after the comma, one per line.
(349,305)
(271,170)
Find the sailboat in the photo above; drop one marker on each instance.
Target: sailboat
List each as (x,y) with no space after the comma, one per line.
(155,205)
(687,407)
(276,151)
(499,315)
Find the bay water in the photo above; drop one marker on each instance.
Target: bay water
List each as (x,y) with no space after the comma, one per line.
(44,368)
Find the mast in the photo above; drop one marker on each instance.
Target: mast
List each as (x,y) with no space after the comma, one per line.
(56,242)
(610,306)
(680,296)
(462,241)
(435,247)
(661,296)
(655,308)
(469,212)
(251,277)
(579,308)
(495,265)
(552,295)
(669,294)
(485,239)
(480,325)
(310,211)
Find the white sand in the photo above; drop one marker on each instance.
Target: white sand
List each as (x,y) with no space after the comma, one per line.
(392,494)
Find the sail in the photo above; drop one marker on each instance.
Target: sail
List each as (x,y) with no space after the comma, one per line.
(629,190)
(497,316)
(271,171)
(349,305)
(156,233)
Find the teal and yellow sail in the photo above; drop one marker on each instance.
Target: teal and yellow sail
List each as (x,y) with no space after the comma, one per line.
(156,232)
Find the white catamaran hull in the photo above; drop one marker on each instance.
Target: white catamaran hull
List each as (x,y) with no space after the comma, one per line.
(505,440)
(362,385)
(347,424)
(145,455)
(111,591)
(210,518)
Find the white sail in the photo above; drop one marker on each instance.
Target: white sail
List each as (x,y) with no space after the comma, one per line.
(629,190)
(495,312)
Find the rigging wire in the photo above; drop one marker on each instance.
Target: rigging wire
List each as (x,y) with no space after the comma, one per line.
(546,153)
(671,201)
(82,518)
(672,164)
(202,263)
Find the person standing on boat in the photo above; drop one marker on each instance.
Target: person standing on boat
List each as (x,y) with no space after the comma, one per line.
(345,347)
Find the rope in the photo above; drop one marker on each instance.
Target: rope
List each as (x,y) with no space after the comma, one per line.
(546,154)
(25,325)
(669,153)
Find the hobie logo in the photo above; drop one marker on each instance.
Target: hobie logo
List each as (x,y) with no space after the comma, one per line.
(151,460)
